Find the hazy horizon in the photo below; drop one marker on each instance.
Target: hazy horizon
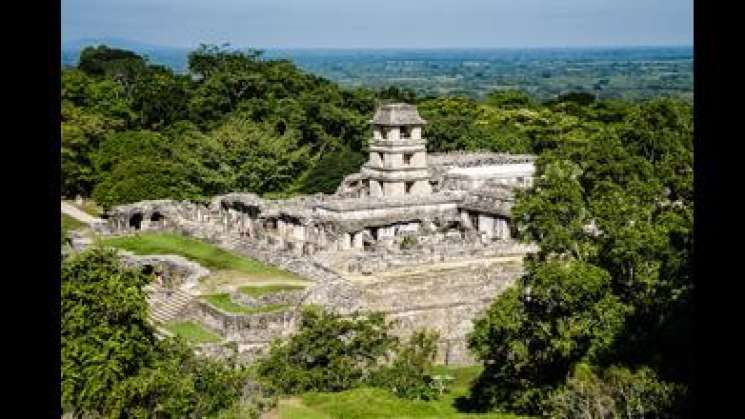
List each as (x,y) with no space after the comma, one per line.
(310,48)
(384,24)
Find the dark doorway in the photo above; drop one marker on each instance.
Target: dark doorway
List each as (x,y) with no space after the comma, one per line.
(136,221)
(157,217)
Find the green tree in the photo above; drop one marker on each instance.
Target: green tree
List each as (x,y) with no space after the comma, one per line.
(112,363)
(116,63)
(329,353)
(261,160)
(613,274)
(562,313)
(326,175)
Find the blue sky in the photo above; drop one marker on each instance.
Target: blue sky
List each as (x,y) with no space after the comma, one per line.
(383,23)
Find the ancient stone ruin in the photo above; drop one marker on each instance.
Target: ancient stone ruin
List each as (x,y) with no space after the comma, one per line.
(425,238)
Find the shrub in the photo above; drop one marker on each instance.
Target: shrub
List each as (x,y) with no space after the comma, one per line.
(408,242)
(329,353)
(614,392)
(408,375)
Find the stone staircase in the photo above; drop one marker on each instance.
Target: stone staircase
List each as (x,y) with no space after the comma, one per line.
(164,307)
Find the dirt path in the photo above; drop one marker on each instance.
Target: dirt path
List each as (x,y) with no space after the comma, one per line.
(77,214)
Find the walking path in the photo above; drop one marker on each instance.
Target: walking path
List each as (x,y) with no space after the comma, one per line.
(78,214)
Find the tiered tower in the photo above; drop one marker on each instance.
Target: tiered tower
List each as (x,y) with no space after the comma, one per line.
(398,154)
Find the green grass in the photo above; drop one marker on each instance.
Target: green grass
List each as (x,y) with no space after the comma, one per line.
(268,289)
(69,224)
(193,332)
(207,255)
(291,411)
(368,403)
(223,302)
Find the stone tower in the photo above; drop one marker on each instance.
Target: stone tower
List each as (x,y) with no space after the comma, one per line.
(398,155)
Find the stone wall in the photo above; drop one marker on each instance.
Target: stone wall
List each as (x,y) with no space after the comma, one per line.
(257,329)
(446,300)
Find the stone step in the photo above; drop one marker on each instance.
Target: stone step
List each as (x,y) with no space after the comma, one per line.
(168,309)
(162,308)
(172,297)
(176,298)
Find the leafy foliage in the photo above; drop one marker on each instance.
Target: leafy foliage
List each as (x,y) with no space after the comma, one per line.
(614,225)
(112,363)
(408,376)
(333,353)
(329,353)
(614,392)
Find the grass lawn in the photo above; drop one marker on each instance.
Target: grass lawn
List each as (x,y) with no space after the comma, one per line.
(253,291)
(193,332)
(371,403)
(223,302)
(69,223)
(208,255)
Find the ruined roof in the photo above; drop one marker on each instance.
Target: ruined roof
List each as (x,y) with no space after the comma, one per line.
(491,199)
(396,114)
(356,204)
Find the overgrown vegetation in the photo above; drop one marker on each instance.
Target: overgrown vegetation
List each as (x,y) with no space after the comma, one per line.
(112,363)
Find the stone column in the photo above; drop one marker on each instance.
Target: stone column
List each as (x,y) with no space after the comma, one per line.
(280,227)
(345,241)
(504,229)
(465,219)
(357,240)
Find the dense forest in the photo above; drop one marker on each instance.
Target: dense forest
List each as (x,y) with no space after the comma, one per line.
(599,325)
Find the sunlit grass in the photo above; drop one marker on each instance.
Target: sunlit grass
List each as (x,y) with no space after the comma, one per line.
(268,289)
(193,332)
(223,302)
(369,403)
(207,255)
(69,224)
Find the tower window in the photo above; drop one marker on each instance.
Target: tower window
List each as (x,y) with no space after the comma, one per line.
(408,186)
(407,158)
(405,132)
(382,160)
